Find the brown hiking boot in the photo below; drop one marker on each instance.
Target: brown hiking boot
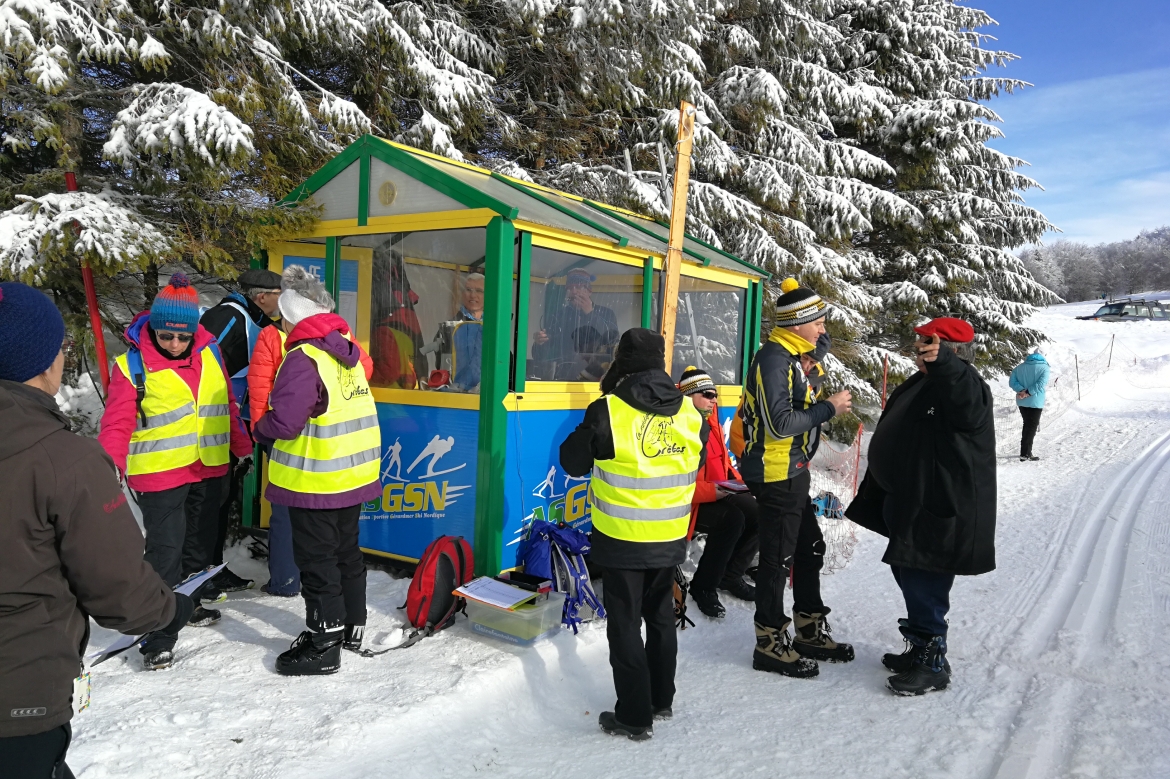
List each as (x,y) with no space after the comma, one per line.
(813,639)
(774,653)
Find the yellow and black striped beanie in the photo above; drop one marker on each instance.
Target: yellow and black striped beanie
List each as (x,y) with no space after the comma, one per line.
(797,305)
(694,380)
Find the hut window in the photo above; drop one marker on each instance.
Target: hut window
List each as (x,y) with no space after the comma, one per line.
(707,330)
(578,308)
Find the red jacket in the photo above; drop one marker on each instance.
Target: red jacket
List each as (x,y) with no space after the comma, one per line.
(269,354)
(717,466)
(121,415)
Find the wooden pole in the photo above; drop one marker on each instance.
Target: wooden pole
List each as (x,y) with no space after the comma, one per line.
(678,219)
(91,301)
(857,458)
(1111,339)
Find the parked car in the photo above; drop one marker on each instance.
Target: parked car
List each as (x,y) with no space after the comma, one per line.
(1130,311)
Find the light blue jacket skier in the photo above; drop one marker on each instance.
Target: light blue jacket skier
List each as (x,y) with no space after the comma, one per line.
(1031,376)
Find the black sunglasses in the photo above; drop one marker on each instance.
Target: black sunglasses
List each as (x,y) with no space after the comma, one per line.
(184,338)
(711,395)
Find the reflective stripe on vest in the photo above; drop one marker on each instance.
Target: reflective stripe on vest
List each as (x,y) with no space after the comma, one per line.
(644,493)
(180,429)
(340,450)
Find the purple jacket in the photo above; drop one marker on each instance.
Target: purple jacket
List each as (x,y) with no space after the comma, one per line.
(299,395)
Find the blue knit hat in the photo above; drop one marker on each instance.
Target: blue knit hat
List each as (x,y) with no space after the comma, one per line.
(31,332)
(176,306)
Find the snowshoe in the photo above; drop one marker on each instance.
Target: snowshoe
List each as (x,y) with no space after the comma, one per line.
(312,654)
(609,723)
(813,639)
(227,581)
(202,617)
(928,670)
(774,653)
(739,588)
(352,639)
(663,713)
(156,661)
(708,603)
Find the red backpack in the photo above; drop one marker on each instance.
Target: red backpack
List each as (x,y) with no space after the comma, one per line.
(431,603)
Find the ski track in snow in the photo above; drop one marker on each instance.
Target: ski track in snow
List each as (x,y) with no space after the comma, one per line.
(1060,655)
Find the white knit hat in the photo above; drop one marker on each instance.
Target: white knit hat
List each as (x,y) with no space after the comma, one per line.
(303,295)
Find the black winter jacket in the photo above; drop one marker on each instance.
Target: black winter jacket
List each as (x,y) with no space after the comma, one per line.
(234,344)
(651,391)
(934,493)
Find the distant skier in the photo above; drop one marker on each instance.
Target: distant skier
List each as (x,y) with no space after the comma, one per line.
(930,489)
(1030,381)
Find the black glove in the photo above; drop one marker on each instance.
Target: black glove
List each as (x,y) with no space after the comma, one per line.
(184,607)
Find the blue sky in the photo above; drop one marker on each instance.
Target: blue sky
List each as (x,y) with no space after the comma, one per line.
(1096,125)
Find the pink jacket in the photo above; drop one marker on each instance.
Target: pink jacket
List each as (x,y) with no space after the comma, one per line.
(121,415)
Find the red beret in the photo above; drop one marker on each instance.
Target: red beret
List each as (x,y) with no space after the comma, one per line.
(948,329)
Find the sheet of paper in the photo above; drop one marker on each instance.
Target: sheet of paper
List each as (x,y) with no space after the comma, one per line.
(125,642)
(495,593)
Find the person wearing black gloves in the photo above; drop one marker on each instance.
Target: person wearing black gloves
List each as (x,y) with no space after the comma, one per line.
(930,488)
(236,322)
(72,549)
(643,442)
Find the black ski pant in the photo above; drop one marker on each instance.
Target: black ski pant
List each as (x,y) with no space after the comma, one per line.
(1031,425)
(39,756)
(732,540)
(333,572)
(180,528)
(643,675)
(232,495)
(790,541)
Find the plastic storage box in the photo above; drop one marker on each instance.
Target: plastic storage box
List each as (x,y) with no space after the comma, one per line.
(523,626)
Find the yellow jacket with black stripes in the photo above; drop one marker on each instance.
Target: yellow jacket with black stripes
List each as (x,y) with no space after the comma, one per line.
(780,412)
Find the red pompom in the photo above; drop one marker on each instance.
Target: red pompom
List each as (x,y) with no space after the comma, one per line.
(180,280)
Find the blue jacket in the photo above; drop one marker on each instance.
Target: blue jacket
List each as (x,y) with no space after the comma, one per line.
(1031,375)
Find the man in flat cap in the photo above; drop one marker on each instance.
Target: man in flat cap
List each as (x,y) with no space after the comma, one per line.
(236,322)
(930,489)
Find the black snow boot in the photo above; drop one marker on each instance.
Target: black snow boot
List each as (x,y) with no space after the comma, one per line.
(663,713)
(708,603)
(202,617)
(901,663)
(353,638)
(312,654)
(227,581)
(739,588)
(774,653)
(928,670)
(609,723)
(156,661)
(813,639)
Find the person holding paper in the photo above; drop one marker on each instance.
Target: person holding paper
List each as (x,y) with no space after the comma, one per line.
(643,443)
(728,518)
(71,545)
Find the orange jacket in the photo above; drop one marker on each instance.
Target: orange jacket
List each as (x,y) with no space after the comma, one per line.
(717,467)
(266,359)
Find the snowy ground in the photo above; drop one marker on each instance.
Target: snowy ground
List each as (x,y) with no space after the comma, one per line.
(1059,655)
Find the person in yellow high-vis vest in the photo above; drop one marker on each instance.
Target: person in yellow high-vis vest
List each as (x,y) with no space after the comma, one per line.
(326,448)
(643,443)
(170,421)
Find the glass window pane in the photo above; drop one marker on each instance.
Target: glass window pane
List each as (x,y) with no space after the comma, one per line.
(426,308)
(394,192)
(709,314)
(578,307)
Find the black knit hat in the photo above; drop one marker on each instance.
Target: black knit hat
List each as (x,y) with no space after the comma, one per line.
(798,305)
(694,380)
(638,350)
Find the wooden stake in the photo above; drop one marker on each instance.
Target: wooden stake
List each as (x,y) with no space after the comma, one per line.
(678,219)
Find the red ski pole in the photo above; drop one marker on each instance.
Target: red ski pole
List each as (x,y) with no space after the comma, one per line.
(91,302)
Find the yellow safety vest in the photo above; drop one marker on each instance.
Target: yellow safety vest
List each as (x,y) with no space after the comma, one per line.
(180,429)
(340,450)
(644,493)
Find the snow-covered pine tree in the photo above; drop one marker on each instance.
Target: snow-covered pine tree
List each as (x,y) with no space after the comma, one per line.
(186,122)
(929,56)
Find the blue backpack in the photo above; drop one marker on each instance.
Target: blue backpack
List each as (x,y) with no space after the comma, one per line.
(558,554)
